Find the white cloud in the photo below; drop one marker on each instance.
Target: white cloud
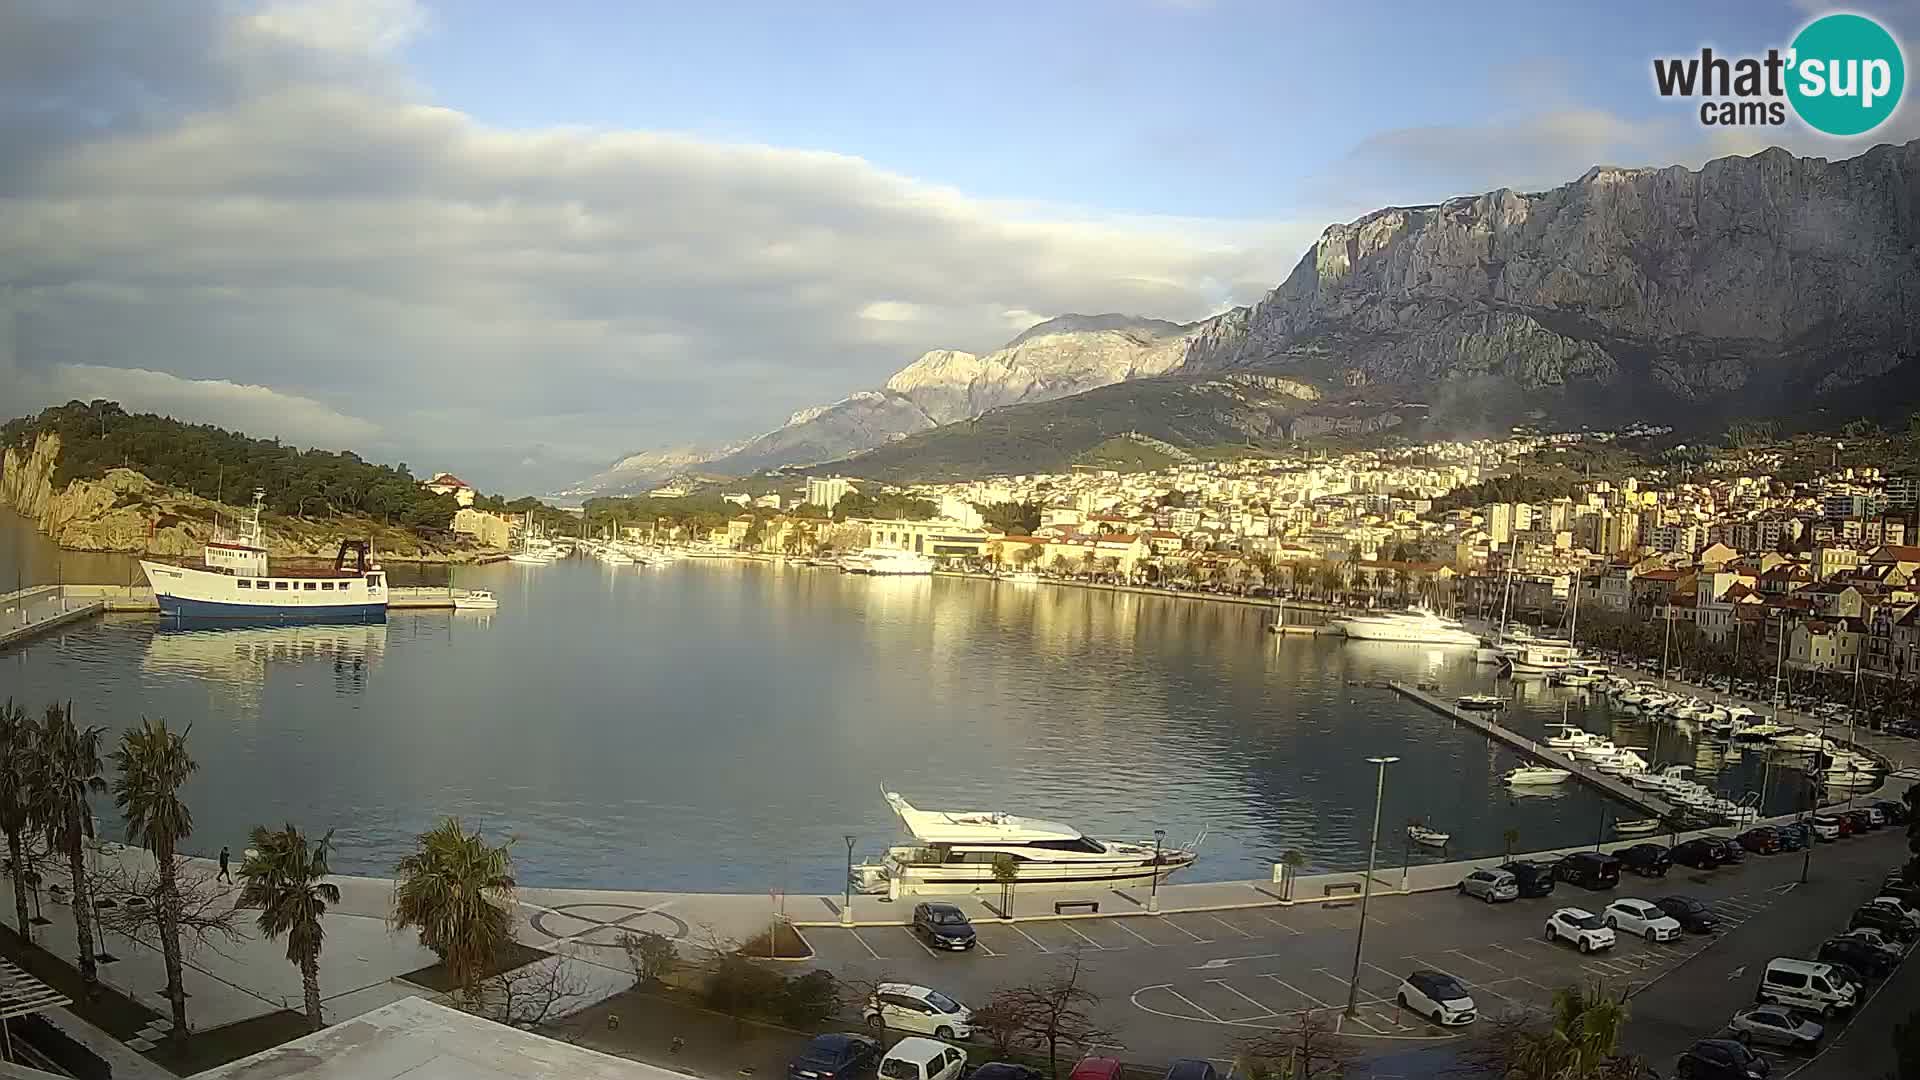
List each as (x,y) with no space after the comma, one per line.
(257,410)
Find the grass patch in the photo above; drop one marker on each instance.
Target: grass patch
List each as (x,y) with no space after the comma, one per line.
(513,956)
(212,1049)
(787,945)
(110,1010)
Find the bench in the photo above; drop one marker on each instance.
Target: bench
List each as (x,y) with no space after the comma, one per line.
(1060,907)
(1347,892)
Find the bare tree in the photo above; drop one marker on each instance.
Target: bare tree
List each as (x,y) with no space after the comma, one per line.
(530,996)
(652,956)
(129,898)
(999,1025)
(1303,1048)
(1054,1011)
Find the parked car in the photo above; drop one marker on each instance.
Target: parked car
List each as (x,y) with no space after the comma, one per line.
(835,1057)
(1898,885)
(1861,955)
(1583,929)
(1437,996)
(1805,984)
(1098,1068)
(1725,850)
(1641,918)
(1839,821)
(1493,886)
(1694,917)
(1001,1070)
(1771,1025)
(1760,840)
(915,1058)
(1877,816)
(1896,812)
(943,926)
(1191,1069)
(1535,879)
(1884,919)
(1793,835)
(1647,860)
(1827,828)
(1899,904)
(1699,853)
(1720,1059)
(1862,821)
(1589,869)
(907,1007)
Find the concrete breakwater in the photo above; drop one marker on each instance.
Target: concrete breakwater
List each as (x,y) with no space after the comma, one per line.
(28,613)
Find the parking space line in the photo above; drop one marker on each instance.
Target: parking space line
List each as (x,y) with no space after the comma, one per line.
(1029,938)
(1369,999)
(1278,923)
(1189,933)
(1203,1011)
(1222,984)
(1083,937)
(863,944)
(1605,968)
(1510,952)
(1297,990)
(1535,985)
(916,940)
(982,946)
(1523,1005)
(1122,924)
(1229,926)
(1383,971)
(1471,960)
(1344,1017)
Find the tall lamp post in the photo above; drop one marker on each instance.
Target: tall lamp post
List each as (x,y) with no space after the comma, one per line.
(1153,889)
(1812,838)
(846,909)
(1366,887)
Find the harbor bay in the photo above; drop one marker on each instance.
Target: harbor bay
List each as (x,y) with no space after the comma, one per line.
(720,725)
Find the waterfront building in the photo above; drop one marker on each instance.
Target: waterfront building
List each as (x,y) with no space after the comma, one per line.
(487,528)
(935,539)
(1826,644)
(448,484)
(827,493)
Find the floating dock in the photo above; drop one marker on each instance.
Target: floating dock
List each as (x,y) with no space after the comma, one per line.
(1486,724)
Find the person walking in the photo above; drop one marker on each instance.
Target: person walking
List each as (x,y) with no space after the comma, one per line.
(224,856)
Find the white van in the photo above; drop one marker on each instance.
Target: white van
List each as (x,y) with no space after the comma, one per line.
(1805,984)
(915,1058)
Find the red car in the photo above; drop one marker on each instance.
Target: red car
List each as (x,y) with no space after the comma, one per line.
(1097,1068)
(1760,841)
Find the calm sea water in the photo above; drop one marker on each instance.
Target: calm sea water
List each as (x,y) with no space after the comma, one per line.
(720,726)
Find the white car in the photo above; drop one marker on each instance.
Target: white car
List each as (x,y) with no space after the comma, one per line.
(922,1059)
(1878,940)
(1437,996)
(1895,903)
(1641,918)
(1583,929)
(906,1007)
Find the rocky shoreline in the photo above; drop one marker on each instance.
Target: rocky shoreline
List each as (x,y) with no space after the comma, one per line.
(124,512)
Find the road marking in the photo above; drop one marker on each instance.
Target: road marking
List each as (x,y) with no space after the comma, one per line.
(982,945)
(1267,1010)
(1194,1005)
(1297,990)
(863,944)
(1396,978)
(1189,933)
(1736,972)
(1471,960)
(1122,924)
(1344,1017)
(1226,961)
(1278,923)
(1229,926)
(1082,937)
(916,940)
(1510,952)
(1535,985)
(1608,967)
(1029,938)
(1484,989)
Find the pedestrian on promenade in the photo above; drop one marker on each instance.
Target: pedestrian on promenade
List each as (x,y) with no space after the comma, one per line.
(224,856)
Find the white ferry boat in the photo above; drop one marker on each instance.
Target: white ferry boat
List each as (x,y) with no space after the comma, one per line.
(886,562)
(955,851)
(233,582)
(1417,625)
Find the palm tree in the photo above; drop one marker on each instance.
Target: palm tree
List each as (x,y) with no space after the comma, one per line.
(456,890)
(285,878)
(18,775)
(69,760)
(153,766)
(1583,1042)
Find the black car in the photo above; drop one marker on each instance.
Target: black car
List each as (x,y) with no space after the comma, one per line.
(1191,1069)
(1699,853)
(1535,879)
(1793,836)
(1896,812)
(943,926)
(1694,917)
(1720,1059)
(1589,869)
(829,1057)
(1647,860)
(1865,957)
(1001,1070)
(1884,919)
(1862,821)
(1725,850)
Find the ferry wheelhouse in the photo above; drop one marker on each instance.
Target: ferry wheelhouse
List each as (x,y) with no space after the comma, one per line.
(234,581)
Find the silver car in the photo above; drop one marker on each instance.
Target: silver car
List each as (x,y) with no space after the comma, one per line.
(1493,886)
(1773,1025)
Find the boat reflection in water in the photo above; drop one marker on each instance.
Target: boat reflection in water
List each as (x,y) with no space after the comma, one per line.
(233,653)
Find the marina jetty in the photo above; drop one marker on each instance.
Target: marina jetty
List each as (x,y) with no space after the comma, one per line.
(28,613)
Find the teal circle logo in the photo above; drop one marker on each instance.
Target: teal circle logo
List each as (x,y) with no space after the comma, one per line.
(1847,74)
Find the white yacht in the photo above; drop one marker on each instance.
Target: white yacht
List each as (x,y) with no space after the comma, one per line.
(475,600)
(233,581)
(1417,625)
(955,851)
(1569,737)
(1539,656)
(886,562)
(1023,577)
(1537,774)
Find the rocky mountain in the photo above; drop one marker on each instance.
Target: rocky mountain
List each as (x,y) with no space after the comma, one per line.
(1053,359)
(1769,286)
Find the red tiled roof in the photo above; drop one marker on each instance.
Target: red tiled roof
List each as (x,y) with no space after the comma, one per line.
(1662,575)
(1897,553)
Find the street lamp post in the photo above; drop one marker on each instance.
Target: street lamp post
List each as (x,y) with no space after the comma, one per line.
(1806,859)
(846,909)
(1153,889)
(1366,887)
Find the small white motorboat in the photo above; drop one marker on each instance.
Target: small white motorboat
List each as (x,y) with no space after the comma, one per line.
(476,600)
(1420,834)
(1637,826)
(1568,737)
(1481,702)
(1537,774)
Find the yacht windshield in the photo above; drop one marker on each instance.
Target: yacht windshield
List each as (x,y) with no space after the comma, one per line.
(1090,847)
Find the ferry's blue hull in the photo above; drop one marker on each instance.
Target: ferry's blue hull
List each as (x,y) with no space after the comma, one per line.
(207,609)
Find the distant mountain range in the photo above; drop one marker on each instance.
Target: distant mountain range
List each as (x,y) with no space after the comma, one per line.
(1763,286)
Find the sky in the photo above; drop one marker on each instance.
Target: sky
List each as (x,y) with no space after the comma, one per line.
(518,241)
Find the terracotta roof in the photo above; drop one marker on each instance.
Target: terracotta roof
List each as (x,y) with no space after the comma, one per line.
(1897,553)
(1662,575)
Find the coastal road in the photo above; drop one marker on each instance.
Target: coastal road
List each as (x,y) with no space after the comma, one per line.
(1194,984)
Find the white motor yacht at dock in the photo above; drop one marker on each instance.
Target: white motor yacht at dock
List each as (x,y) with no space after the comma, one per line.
(956,852)
(1416,625)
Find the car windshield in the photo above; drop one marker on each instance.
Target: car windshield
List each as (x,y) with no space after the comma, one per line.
(899,1069)
(946,918)
(1444,988)
(1590,922)
(942,1002)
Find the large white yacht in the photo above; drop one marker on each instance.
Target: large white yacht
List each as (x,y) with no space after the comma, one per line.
(1414,625)
(886,562)
(955,851)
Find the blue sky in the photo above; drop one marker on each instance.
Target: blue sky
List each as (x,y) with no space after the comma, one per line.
(519,240)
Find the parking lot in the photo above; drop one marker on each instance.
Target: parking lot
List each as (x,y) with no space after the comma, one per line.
(1194,983)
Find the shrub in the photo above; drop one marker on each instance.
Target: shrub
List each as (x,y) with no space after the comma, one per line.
(809,999)
(652,956)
